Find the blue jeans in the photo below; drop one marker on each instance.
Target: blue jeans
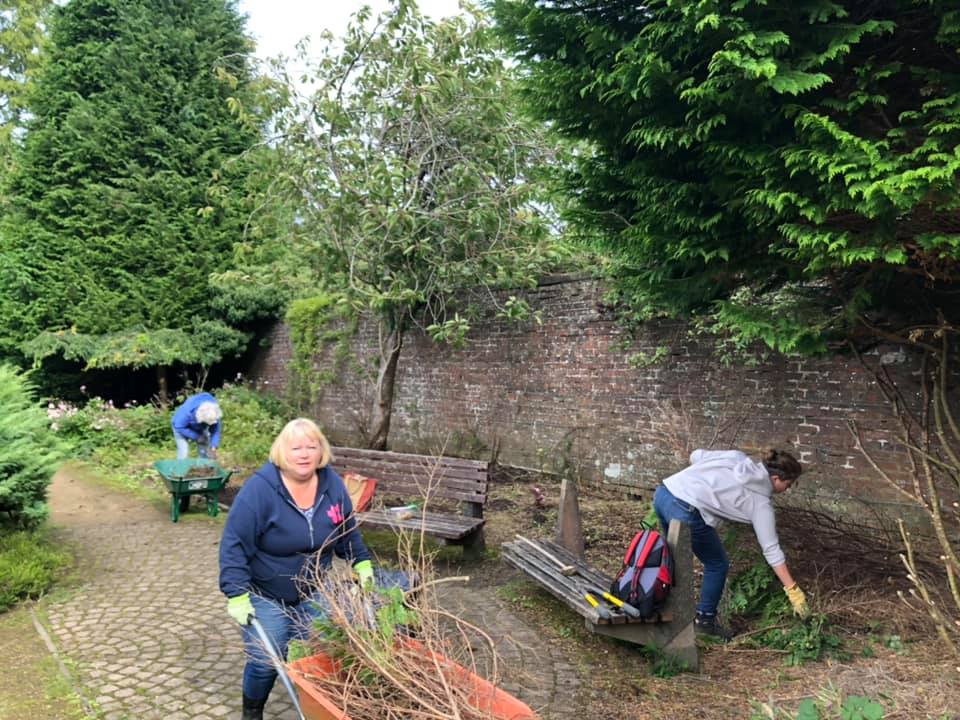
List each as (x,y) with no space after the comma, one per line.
(283,623)
(183,446)
(705,543)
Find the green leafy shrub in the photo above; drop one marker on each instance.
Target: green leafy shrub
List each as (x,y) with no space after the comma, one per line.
(28,564)
(756,593)
(251,421)
(29,453)
(100,424)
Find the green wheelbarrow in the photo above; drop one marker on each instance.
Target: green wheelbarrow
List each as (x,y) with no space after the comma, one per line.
(192,476)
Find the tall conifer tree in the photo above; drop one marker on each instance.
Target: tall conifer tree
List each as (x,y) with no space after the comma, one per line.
(127,194)
(789,170)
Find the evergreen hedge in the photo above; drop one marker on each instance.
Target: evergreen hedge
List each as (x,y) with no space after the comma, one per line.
(29,453)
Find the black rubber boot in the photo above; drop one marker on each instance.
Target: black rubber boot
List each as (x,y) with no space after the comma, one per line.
(253,709)
(709,625)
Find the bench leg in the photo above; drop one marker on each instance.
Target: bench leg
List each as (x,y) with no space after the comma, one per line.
(681,645)
(475,545)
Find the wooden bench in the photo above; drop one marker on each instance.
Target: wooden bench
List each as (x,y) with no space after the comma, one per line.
(672,630)
(438,483)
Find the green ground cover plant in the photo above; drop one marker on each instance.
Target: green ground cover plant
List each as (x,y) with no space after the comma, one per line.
(29,563)
(830,704)
(756,594)
(662,665)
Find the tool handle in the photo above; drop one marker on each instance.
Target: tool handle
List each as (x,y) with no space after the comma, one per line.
(626,607)
(542,551)
(274,655)
(601,610)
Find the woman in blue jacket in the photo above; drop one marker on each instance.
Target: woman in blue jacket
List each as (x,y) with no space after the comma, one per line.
(197,420)
(292,508)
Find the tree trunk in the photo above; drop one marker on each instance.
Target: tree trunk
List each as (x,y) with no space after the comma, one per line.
(162,395)
(383,402)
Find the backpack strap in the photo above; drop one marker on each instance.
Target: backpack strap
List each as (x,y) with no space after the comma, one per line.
(650,539)
(633,544)
(665,575)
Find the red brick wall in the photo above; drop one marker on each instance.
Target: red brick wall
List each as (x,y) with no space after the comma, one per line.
(564,395)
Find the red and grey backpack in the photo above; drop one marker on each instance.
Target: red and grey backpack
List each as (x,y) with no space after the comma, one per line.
(647,574)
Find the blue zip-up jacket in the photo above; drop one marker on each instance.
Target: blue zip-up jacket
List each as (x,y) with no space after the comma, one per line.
(267,539)
(185,420)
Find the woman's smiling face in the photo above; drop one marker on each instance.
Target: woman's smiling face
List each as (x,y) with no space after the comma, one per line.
(303,458)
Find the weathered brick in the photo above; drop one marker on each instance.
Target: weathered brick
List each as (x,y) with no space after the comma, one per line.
(563,394)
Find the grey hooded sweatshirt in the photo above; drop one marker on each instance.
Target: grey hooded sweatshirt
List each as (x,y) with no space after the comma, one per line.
(726,484)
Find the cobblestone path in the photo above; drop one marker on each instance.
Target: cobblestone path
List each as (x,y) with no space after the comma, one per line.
(149,638)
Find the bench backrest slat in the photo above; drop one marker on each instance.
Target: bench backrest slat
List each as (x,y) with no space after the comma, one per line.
(463,476)
(408,475)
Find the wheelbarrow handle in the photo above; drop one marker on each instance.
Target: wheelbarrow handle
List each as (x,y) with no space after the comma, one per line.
(275,658)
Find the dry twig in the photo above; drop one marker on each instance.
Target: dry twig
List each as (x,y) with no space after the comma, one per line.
(400,655)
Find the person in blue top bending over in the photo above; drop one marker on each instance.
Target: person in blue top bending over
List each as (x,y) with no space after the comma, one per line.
(728,485)
(292,515)
(197,420)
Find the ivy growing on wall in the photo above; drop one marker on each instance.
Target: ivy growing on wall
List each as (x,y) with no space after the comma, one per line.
(321,326)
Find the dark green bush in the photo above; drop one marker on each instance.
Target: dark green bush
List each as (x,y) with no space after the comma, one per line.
(28,564)
(29,453)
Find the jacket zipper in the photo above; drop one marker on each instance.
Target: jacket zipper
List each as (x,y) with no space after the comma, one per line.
(300,513)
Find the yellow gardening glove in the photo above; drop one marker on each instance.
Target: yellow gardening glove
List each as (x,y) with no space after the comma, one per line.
(798,600)
(364,570)
(240,608)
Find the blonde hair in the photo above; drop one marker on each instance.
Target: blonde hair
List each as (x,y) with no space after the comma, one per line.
(293,430)
(208,413)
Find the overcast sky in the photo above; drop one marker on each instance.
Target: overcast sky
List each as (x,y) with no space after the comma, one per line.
(277,25)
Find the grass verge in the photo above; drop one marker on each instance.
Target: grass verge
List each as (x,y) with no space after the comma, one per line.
(32,688)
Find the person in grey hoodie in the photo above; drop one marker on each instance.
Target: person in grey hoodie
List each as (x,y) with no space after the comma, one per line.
(728,485)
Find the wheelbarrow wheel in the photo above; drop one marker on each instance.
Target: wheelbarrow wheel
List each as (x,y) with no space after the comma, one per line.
(184,503)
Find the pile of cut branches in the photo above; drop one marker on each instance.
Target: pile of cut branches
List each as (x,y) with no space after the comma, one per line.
(399,654)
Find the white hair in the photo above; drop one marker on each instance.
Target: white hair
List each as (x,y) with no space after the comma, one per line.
(209,413)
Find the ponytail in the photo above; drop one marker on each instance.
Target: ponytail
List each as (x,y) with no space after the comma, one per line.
(782,463)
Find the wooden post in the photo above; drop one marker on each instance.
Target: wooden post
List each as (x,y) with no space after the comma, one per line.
(569,527)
